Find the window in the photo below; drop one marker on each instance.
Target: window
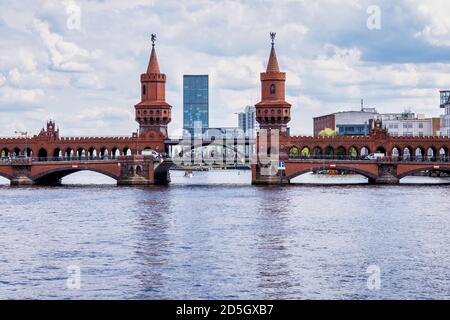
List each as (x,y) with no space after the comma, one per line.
(272,89)
(143,90)
(421,125)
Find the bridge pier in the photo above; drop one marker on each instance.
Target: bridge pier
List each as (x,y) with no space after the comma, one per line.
(21,181)
(21,171)
(136,171)
(387,174)
(267,175)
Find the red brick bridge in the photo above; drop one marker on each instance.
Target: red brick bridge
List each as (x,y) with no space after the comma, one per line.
(402,155)
(47,157)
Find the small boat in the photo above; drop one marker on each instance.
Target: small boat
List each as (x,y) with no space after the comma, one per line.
(188,174)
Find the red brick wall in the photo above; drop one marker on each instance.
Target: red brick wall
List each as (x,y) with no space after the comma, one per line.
(321,123)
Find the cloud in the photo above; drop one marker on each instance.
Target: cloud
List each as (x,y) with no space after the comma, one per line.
(88,79)
(10,95)
(437,28)
(64,55)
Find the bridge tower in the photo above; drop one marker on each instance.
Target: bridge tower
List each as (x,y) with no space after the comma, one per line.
(273,112)
(153,113)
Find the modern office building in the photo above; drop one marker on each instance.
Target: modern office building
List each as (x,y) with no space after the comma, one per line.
(353,123)
(195,102)
(410,125)
(247,121)
(445,118)
(357,123)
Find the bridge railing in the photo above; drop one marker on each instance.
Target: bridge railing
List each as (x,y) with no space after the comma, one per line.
(27,160)
(378,159)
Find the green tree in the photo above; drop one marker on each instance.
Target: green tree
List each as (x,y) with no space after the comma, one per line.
(328,133)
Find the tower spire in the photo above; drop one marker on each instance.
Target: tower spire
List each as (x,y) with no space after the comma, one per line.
(153,66)
(272,65)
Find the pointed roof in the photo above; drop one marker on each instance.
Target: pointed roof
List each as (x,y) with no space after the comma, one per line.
(272,65)
(153,66)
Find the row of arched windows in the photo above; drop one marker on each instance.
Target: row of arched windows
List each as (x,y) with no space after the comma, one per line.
(406,152)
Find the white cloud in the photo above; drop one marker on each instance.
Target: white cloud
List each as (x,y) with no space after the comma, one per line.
(10,95)
(435,13)
(88,79)
(64,55)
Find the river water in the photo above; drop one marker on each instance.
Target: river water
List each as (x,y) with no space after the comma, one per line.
(214,236)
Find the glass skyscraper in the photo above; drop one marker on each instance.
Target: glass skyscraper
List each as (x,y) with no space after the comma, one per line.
(195,102)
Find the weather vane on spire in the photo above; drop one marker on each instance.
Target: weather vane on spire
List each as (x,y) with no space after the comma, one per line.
(272,36)
(153,39)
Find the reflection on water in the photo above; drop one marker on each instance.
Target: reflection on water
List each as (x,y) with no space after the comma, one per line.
(215,236)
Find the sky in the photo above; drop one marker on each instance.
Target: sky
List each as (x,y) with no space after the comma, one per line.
(79,62)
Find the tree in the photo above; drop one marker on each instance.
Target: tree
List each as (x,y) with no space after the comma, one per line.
(328,133)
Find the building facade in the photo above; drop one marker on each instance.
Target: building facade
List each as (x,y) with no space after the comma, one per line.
(360,123)
(195,102)
(247,121)
(408,124)
(347,123)
(445,118)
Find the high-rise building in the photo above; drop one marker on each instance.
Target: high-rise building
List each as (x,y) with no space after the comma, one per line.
(445,118)
(195,102)
(247,121)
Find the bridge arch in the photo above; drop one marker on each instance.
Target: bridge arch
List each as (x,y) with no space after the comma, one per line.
(396,152)
(341,152)
(407,153)
(104,153)
(5,175)
(81,153)
(419,153)
(431,153)
(42,154)
(294,152)
(364,151)
(92,153)
(115,152)
(411,172)
(161,173)
(305,151)
(364,173)
(57,153)
(329,151)
(353,152)
(69,153)
(54,176)
(443,153)
(126,151)
(317,151)
(4,153)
